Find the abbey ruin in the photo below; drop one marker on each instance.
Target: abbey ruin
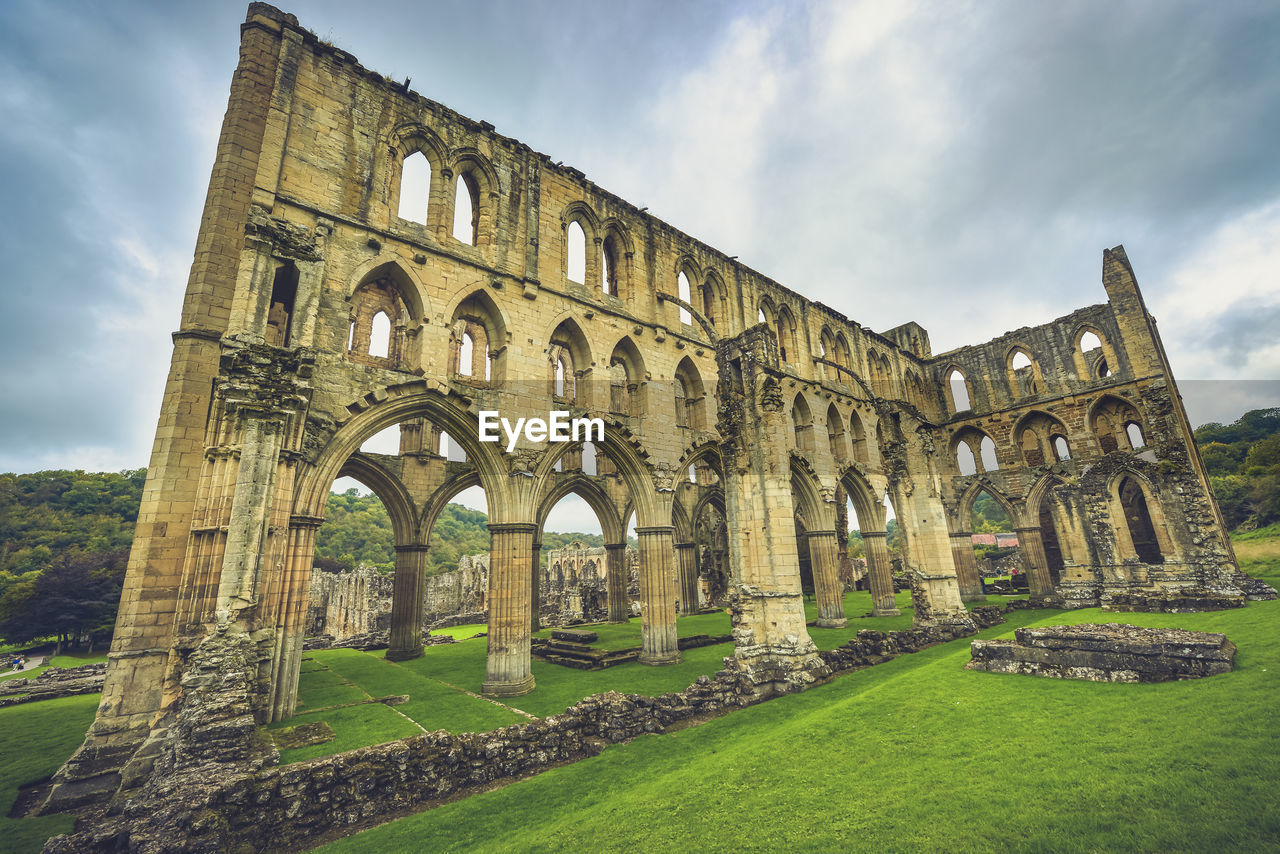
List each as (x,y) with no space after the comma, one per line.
(740,417)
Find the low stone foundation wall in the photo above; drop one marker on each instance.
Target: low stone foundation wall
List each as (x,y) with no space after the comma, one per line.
(53,683)
(1187,600)
(1110,652)
(292,807)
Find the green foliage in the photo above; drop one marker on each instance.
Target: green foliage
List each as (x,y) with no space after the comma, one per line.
(356,530)
(50,513)
(75,596)
(988,516)
(1243,461)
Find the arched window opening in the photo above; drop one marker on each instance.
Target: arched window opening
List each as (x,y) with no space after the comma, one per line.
(835,435)
(1089,341)
(787,350)
(685,294)
(1138,517)
(415,187)
(1050,543)
(589,458)
(1104,370)
(467,355)
(466,210)
(959,391)
(693,474)
(689,394)
(709,300)
(965,459)
(1022,374)
(987,452)
(284,290)
(564,385)
(802,423)
(611,258)
(379,319)
(380,335)
(1111,420)
(760,318)
(1060,448)
(576,266)
(619,388)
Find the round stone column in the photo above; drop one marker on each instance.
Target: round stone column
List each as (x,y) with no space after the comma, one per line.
(687,563)
(658,596)
(407,591)
(616,581)
(883,603)
(507,668)
(966,567)
(824,557)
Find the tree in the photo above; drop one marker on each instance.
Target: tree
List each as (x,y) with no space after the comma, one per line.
(74,597)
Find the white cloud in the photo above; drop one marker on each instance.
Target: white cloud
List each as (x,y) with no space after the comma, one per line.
(1218,294)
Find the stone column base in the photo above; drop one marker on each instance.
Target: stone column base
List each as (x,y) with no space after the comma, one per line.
(886,612)
(404,654)
(659,659)
(508,689)
(780,671)
(832,623)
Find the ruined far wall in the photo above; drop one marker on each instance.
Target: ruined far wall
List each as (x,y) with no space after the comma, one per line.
(1088,398)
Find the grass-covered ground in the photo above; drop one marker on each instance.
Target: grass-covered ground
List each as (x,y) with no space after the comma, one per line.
(920,754)
(35,740)
(914,754)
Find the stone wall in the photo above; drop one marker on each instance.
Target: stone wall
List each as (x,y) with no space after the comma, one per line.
(345,604)
(573,586)
(459,597)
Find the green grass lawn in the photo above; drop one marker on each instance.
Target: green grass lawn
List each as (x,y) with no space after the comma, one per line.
(920,754)
(35,740)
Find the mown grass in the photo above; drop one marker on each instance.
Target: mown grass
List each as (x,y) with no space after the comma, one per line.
(35,740)
(920,754)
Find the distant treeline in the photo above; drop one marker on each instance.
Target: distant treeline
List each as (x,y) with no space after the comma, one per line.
(1243,460)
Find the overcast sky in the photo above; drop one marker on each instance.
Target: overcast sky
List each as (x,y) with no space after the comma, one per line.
(958,164)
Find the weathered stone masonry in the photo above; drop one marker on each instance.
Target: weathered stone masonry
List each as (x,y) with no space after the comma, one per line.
(731,428)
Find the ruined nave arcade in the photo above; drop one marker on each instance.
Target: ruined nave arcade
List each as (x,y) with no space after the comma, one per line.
(369,258)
